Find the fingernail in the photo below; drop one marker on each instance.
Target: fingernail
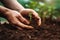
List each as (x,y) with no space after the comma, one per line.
(31,27)
(39,23)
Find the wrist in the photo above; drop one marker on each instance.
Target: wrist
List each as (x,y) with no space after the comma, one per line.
(21,9)
(3,9)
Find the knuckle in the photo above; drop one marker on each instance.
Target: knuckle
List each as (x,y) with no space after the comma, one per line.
(24,20)
(31,9)
(38,18)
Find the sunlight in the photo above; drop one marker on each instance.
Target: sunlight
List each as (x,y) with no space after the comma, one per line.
(41,3)
(48,1)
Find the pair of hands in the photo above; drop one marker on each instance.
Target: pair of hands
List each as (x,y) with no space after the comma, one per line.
(16,18)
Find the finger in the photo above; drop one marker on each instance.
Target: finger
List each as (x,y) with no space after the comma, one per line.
(23,20)
(37,18)
(24,26)
(18,23)
(12,20)
(39,22)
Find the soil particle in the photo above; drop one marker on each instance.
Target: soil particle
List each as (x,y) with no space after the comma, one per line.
(50,30)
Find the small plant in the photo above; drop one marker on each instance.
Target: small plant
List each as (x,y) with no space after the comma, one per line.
(0,20)
(30,15)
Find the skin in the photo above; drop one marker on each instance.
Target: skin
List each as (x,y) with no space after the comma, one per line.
(14,12)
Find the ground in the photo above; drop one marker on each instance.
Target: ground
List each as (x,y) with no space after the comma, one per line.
(50,30)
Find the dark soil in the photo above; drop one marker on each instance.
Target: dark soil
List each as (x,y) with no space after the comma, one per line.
(50,30)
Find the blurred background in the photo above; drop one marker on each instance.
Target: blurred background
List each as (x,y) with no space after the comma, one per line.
(45,8)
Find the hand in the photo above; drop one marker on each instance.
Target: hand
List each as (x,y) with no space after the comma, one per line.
(34,15)
(15,18)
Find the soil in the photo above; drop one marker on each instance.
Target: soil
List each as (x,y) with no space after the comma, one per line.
(50,30)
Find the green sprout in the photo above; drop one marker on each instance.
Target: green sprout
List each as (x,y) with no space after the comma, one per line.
(30,15)
(0,20)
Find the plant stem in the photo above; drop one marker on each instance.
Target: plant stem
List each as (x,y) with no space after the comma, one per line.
(30,15)
(0,20)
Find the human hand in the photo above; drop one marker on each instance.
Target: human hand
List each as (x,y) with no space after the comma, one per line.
(34,14)
(15,18)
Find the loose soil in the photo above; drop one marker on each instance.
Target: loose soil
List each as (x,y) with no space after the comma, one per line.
(50,30)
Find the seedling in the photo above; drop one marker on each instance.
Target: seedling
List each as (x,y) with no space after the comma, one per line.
(30,15)
(0,20)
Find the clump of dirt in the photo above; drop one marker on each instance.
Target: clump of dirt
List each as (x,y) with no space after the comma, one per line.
(50,30)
